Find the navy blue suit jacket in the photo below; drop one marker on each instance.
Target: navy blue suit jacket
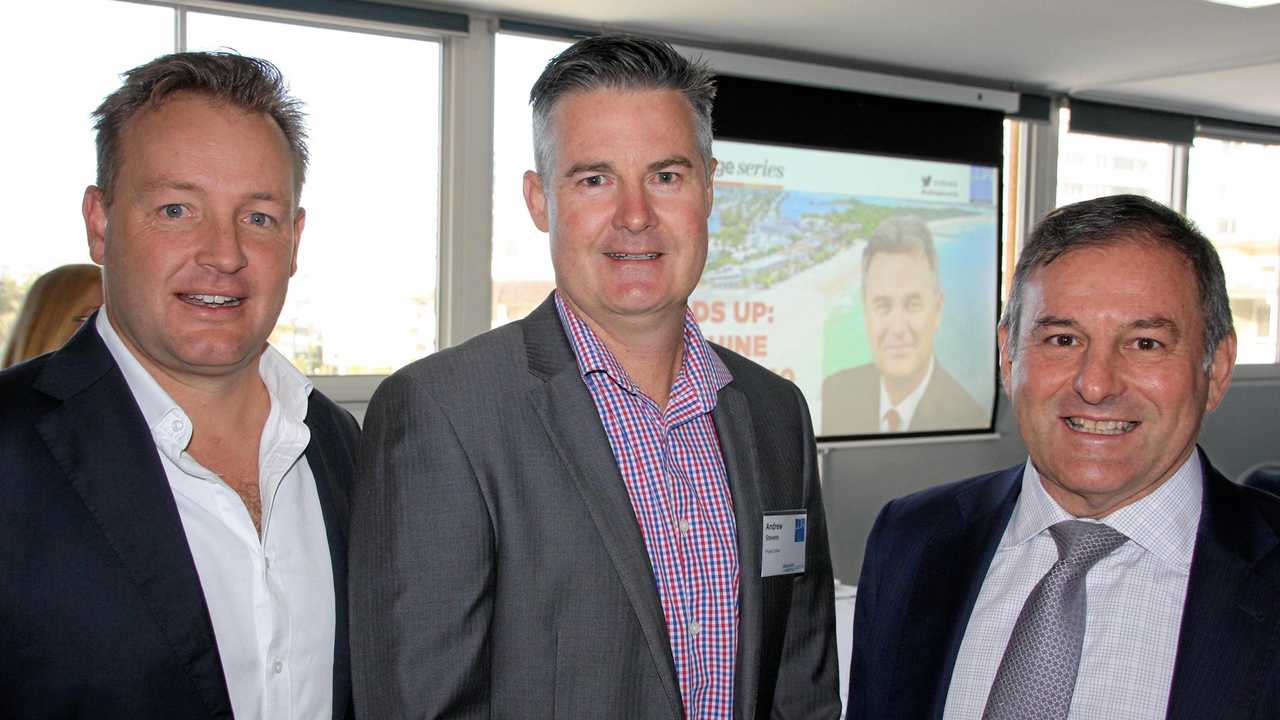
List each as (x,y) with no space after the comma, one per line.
(101,611)
(928,555)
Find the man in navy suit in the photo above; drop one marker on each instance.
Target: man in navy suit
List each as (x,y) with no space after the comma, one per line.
(173,499)
(1116,340)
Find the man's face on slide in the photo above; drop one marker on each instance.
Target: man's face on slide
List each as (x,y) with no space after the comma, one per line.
(901,307)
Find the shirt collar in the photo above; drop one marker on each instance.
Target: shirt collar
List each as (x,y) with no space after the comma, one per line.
(699,365)
(1163,523)
(907,408)
(287,387)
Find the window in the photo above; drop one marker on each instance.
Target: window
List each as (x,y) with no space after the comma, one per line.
(522,274)
(373,103)
(364,298)
(1230,195)
(46,136)
(1091,166)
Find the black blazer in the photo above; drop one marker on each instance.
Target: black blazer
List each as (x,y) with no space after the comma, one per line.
(101,610)
(928,554)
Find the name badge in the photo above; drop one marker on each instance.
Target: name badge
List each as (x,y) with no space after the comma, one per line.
(782,552)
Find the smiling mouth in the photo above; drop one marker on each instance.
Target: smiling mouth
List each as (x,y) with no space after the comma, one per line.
(211,301)
(632,256)
(1100,427)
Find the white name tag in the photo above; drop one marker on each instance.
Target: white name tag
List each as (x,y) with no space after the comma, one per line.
(782,552)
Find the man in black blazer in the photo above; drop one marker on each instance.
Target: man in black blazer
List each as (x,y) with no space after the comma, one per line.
(1116,340)
(593,512)
(905,388)
(173,500)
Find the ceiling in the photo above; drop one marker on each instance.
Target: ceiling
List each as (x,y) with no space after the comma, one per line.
(1182,55)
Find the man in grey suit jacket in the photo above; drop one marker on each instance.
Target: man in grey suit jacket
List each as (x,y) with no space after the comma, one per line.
(593,512)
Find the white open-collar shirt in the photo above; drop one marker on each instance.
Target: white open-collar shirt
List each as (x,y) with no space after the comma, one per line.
(270,597)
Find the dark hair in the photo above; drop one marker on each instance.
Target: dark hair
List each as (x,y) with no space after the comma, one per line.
(247,83)
(901,234)
(620,62)
(1119,219)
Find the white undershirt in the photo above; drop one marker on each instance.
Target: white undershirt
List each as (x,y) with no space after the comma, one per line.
(270,598)
(905,409)
(1134,609)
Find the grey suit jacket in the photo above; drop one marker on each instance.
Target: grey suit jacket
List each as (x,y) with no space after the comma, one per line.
(497,568)
(851,404)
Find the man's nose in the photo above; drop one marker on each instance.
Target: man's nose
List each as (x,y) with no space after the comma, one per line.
(1098,377)
(635,209)
(221,248)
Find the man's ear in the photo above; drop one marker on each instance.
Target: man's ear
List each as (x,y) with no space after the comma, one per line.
(711,184)
(94,211)
(299,222)
(1006,358)
(1224,361)
(535,198)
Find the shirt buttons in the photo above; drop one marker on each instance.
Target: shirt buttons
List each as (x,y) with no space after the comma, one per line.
(177,426)
(695,627)
(684,527)
(277,667)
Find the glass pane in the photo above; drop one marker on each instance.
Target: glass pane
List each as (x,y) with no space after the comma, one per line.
(522,274)
(364,298)
(48,148)
(1230,195)
(1091,166)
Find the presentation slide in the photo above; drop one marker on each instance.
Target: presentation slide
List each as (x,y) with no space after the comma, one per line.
(869,281)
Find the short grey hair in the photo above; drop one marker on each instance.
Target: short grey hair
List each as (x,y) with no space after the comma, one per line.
(247,83)
(620,62)
(902,234)
(1115,220)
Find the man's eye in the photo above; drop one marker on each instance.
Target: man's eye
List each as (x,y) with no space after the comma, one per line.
(261,219)
(1147,344)
(666,177)
(1062,340)
(593,180)
(173,211)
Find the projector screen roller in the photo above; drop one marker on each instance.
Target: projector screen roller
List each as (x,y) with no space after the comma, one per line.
(868,280)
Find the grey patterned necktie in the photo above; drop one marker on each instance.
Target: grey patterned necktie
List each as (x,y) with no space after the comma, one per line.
(1038,673)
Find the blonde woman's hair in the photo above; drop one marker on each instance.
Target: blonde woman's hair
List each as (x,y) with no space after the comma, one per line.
(48,315)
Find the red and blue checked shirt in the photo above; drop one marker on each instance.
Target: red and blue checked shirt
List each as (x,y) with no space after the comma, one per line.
(671,464)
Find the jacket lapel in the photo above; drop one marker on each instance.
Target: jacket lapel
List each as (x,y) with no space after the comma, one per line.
(101,442)
(738,447)
(335,506)
(946,587)
(1227,648)
(569,417)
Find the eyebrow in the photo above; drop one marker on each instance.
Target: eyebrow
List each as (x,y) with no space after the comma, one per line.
(606,167)
(1053,321)
(264,195)
(1157,322)
(678,160)
(170,185)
